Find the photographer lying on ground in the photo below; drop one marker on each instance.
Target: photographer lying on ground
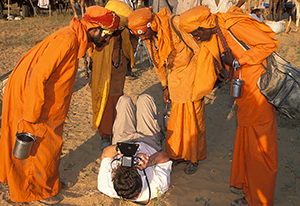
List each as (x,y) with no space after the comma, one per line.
(123,178)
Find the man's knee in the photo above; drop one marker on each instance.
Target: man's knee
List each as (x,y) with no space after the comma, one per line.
(124,100)
(143,98)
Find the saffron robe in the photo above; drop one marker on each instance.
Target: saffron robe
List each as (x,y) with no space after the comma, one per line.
(39,91)
(117,81)
(254,164)
(106,79)
(186,127)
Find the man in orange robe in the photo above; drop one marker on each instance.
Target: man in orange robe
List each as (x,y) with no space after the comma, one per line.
(254,164)
(167,42)
(38,92)
(108,73)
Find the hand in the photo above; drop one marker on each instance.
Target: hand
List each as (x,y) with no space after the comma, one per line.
(166,96)
(227,58)
(143,161)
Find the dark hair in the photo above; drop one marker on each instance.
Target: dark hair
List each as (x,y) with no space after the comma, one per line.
(254,11)
(99,27)
(127,182)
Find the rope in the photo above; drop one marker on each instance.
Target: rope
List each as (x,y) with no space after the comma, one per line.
(220,72)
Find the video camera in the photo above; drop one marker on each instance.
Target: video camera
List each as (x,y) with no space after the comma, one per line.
(128,151)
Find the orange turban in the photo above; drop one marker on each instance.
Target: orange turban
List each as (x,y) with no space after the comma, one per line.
(198,16)
(97,16)
(139,19)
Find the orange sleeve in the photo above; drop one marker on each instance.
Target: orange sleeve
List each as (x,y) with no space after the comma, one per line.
(260,43)
(50,59)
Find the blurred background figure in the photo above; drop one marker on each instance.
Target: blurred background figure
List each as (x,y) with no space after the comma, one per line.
(256,14)
(171,5)
(221,5)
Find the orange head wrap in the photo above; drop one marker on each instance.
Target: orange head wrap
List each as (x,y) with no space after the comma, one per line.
(97,16)
(139,20)
(198,16)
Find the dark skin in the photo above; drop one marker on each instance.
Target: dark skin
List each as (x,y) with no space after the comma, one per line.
(94,35)
(204,34)
(150,34)
(117,32)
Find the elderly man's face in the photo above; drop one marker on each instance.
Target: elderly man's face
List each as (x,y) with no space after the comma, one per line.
(148,34)
(258,14)
(98,39)
(202,34)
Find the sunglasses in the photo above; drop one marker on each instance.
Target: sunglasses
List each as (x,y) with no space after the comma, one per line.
(141,31)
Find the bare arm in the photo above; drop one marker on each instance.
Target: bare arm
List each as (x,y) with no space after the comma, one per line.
(157,158)
(109,151)
(166,95)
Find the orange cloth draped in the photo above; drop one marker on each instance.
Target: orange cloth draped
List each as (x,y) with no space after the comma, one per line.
(109,115)
(257,131)
(117,81)
(106,79)
(39,90)
(191,20)
(100,80)
(160,24)
(254,165)
(186,131)
(186,127)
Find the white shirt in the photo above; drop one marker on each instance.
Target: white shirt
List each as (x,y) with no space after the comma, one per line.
(261,18)
(158,176)
(223,6)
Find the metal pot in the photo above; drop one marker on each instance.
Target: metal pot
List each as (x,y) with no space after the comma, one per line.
(23,144)
(236,86)
(166,116)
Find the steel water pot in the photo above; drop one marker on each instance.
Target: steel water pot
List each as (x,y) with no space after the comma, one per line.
(236,86)
(166,116)
(23,144)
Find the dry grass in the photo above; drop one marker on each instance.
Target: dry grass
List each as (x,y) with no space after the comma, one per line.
(17,37)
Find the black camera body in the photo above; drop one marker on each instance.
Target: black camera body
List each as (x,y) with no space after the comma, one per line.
(128,151)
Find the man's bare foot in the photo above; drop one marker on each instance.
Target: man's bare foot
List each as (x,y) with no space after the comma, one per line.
(50,200)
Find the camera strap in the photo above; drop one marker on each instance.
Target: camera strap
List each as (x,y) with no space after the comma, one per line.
(148,184)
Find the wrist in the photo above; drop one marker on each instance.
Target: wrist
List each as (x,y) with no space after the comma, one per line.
(151,161)
(165,87)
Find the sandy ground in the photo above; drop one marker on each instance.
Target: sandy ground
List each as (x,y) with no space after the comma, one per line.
(80,159)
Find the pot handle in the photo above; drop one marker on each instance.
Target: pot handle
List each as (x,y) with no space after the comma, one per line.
(36,130)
